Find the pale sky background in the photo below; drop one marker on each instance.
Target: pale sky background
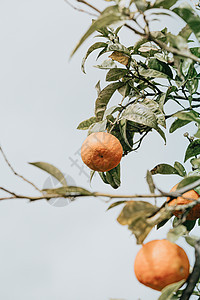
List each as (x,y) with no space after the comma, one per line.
(79,251)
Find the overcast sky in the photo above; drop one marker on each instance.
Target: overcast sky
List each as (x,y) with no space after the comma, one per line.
(77,251)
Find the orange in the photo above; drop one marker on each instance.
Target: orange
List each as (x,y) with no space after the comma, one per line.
(101,151)
(194,213)
(160,263)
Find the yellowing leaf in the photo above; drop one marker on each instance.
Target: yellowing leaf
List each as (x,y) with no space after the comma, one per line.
(120,57)
(141,217)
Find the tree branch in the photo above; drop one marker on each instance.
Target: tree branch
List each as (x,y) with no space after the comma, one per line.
(185,109)
(7,191)
(79,9)
(194,276)
(17,174)
(174,194)
(97,10)
(150,37)
(174,50)
(89,5)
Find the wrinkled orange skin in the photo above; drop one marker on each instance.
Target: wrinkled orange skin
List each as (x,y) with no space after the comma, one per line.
(160,263)
(194,213)
(101,151)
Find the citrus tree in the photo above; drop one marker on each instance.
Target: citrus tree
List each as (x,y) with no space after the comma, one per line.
(160,68)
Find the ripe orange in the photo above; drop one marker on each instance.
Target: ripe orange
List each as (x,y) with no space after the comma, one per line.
(101,151)
(160,263)
(194,213)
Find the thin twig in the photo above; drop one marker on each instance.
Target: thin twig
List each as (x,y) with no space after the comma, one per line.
(150,37)
(17,174)
(185,109)
(140,140)
(194,276)
(174,50)
(7,191)
(134,30)
(97,10)
(89,5)
(48,196)
(80,10)
(154,87)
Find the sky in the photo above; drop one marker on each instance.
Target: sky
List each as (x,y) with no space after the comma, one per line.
(63,250)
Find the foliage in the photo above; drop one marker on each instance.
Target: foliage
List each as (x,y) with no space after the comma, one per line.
(157,69)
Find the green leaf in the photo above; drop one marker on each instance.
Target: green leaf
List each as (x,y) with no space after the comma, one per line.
(191,240)
(125,90)
(92,173)
(192,150)
(97,127)
(197,134)
(87,123)
(119,48)
(104,97)
(161,99)
(147,50)
(113,177)
(170,289)
(151,73)
(160,66)
(180,169)
(107,64)
(176,232)
(164,169)
(69,191)
(150,181)
(164,4)
(171,89)
(90,50)
(103,177)
(185,32)
(137,45)
(184,117)
(111,110)
(141,114)
(187,180)
(188,14)
(116,204)
(50,169)
(155,108)
(195,163)
(188,115)
(178,42)
(98,87)
(156,35)
(128,138)
(160,57)
(178,123)
(185,66)
(116,74)
(115,173)
(195,51)
(162,223)
(192,85)
(195,173)
(162,134)
(189,224)
(141,5)
(109,16)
